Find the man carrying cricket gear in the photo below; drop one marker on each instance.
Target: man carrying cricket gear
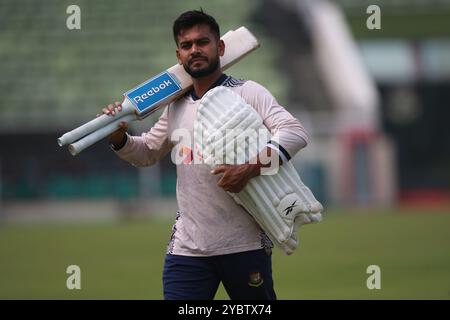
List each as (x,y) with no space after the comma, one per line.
(213,239)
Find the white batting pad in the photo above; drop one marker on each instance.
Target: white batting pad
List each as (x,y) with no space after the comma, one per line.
(227,130)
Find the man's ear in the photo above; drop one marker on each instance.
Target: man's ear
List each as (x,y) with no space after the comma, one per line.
(221,47)
(178,56)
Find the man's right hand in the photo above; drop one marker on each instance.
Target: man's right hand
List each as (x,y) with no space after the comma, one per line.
(117,136)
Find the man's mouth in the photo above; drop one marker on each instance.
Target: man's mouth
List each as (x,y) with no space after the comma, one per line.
(198,59)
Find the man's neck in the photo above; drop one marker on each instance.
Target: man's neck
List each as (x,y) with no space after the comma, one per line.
(201,85)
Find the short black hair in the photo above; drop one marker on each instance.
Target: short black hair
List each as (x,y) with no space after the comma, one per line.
(191,18)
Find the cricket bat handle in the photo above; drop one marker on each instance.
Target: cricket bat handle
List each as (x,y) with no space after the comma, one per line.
(99,134)
(94,125)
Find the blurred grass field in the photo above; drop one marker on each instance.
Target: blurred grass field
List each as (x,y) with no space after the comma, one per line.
(124,260)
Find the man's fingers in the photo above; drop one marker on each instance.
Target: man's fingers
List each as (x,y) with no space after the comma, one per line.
(219,169)
(222,182)
(222,185)
(111,108)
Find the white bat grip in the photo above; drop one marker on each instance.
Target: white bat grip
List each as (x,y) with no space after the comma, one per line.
(99,134)
(93,125)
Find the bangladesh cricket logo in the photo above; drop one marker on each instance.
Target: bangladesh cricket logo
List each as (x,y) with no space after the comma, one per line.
(255,279)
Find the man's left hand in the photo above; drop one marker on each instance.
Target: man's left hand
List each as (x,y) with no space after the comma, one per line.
(236,177)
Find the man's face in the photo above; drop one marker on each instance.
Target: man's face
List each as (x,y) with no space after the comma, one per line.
(199,51)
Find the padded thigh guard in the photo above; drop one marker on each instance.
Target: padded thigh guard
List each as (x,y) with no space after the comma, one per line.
(227,130)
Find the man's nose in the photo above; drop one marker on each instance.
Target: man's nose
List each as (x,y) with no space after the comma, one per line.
(195,49)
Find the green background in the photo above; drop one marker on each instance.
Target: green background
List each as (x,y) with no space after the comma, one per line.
(124,260)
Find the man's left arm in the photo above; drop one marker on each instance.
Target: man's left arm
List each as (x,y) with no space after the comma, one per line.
(288,136)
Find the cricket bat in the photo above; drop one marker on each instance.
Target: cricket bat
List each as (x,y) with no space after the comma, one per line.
(155,93)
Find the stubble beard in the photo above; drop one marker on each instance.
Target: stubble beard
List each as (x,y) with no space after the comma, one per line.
(211,68)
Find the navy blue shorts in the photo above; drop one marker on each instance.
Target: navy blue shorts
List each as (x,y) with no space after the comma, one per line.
(245,276)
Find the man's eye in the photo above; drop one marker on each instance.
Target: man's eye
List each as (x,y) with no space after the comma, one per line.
(185,46)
